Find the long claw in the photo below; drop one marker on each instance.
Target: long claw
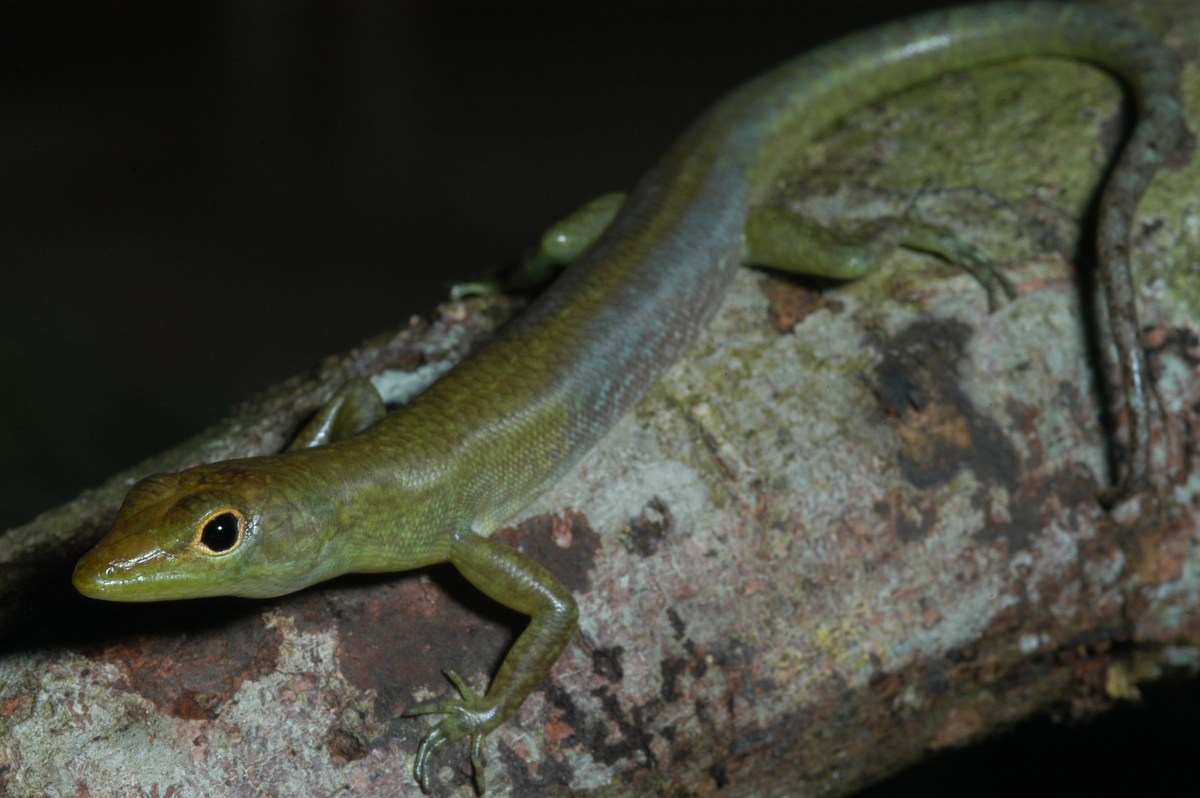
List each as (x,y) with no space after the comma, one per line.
(940,241)
(464,690)
(464,721)
(477,761)
(430,709)
(433,742)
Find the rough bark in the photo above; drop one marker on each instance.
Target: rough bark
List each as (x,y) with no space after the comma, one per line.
(853,526)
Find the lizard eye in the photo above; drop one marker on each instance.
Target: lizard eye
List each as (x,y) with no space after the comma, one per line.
(221,533)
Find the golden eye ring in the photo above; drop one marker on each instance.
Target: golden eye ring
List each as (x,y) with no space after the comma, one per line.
(220,533)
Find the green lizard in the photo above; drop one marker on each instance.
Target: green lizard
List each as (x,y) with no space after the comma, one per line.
(361,492)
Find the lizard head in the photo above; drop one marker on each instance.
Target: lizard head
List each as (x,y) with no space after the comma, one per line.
(225,529)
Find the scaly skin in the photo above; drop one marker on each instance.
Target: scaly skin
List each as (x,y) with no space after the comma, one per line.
(424,485)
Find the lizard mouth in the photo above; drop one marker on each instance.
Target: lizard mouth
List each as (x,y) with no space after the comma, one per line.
(120,569)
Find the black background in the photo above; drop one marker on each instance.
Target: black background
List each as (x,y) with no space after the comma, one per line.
(198,200)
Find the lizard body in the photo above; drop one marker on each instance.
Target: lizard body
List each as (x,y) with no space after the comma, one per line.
(362,492)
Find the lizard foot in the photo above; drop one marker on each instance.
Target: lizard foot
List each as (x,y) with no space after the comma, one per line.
(940,241)
(472,716)
(485,287)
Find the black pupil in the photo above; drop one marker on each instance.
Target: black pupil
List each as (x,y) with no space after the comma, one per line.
(221,532)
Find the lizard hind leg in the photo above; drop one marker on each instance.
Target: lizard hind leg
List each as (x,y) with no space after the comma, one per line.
(781,239)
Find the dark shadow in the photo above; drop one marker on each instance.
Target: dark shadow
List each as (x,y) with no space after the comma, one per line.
(1131,750)
(1087,261)
(52,614)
